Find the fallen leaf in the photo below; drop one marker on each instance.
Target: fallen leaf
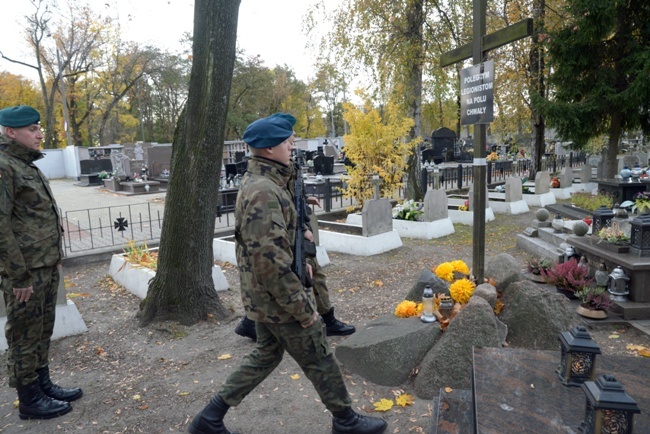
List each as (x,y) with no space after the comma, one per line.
(295,377)
(74,294)
(635,347)
(183,393)
(224,357)
(143,407)
(404,399)
(16,403)
(136,397)
(613,336)
(644,353)
(448,389)
(378,283)
(383,404)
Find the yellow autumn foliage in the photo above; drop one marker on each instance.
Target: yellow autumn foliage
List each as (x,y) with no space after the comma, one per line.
(376,145)
(383,404)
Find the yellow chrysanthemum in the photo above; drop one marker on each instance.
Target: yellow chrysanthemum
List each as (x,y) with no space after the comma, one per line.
(461,290)
(445,271)
(460,267)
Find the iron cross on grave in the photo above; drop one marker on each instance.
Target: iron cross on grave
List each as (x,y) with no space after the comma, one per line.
(477,49)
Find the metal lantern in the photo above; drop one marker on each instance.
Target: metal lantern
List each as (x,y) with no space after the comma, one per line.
(570,252)
(601,218)
(601,275)
(617,286)
(640,235)
(427,305)
(578,359)
(609,409)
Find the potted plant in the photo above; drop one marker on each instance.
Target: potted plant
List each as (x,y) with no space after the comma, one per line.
(536,267)
(641,202)
(409,210)
(614,238)
(594,302)
(568,277)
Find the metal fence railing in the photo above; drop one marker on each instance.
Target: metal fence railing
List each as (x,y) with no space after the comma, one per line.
(115,226)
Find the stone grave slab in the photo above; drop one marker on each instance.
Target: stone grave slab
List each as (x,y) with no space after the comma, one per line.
(517,388)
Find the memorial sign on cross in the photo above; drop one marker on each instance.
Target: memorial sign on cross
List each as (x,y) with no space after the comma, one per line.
(476,50)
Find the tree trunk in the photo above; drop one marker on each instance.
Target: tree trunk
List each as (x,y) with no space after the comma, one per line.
(611,168)
(414,187)
(182,289)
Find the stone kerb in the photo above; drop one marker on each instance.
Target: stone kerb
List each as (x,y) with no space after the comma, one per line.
(388,349)
(449,362)
(513,203)
(135,279)
(542,195)
(68,321)
(435,221)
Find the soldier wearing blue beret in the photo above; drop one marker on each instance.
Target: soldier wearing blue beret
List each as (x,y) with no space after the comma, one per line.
(30,265)
(285,312)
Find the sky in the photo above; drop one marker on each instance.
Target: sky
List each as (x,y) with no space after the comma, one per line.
(270,28)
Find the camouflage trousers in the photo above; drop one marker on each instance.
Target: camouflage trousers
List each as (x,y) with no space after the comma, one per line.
(29,326)
(321,294)
(308,347)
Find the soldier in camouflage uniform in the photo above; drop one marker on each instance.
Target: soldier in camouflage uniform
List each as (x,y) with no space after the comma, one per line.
(284,311)
(333,326)
(30,265)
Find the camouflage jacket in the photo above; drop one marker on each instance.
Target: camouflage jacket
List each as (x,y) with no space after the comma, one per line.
(265,226)
(30,229)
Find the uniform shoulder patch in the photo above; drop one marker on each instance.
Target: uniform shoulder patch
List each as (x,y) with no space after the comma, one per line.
(273,204)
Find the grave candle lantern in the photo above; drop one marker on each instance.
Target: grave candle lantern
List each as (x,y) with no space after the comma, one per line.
(640,235)
(601,218)
(618,281)
(578,357)
(427,305)
(608,408)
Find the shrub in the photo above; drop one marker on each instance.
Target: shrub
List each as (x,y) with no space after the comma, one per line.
(568,275)
(591,202)
(596,298)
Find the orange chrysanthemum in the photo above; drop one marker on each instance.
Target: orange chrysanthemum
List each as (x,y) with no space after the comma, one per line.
(407,309)
(461,290)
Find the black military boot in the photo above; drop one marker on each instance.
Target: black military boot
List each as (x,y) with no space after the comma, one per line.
(349,422)
(34,404)
(334,327)
(246,328)
(210,420)
(53,391)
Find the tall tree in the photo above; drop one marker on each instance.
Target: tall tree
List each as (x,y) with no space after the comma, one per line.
(601,63)
(182,289)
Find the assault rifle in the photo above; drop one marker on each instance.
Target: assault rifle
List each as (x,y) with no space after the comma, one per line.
(302,247)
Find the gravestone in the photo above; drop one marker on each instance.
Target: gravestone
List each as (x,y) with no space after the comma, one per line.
(138,152)
(427,155)
(585,174)
(513,189)
(121,163)
(88,167)
(376,217)
(158,159)
(435,206)
(542,182)
(471,197)
(330,151)
(566,177)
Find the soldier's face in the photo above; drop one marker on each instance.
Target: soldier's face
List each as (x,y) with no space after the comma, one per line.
(29,136)
(282,152)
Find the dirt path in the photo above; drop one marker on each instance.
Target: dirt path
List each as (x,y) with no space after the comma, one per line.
(155,379)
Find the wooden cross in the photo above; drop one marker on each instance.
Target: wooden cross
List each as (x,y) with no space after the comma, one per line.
(477,49)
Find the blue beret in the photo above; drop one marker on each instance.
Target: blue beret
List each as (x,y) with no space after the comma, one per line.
(270,131)
(19,116)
